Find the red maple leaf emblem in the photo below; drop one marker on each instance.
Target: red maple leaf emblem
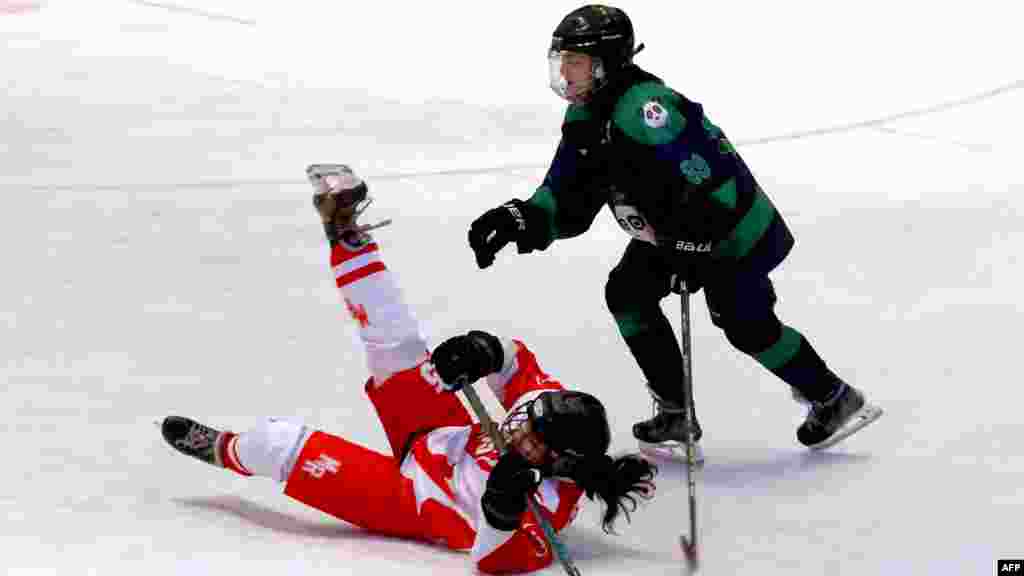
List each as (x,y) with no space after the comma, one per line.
(358,312)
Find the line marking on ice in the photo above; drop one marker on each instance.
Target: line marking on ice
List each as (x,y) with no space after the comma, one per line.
(194,12)
(876,122)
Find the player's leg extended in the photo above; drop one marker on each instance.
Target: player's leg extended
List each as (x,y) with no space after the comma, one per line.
(403,386)
(387,328)
(743,307)
(343,479)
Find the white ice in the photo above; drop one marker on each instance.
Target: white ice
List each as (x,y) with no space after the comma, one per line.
(161,256)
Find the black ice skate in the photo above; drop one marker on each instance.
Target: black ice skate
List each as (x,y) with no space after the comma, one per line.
(836,418)
(194,439)
(664,435)
(340,197)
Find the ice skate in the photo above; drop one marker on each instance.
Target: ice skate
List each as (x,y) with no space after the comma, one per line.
(836,418)
(340,197)
(196,440)
(664,435)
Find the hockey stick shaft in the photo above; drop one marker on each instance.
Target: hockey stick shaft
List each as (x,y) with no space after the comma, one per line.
(561,552)
(689,544)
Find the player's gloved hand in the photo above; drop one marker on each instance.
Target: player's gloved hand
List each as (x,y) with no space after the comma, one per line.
(514,221)
(508,486)
(689,257)
(686,277)
(460,360)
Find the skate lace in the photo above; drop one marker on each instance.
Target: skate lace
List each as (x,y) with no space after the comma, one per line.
(664,421)
(818,413)
(196,439)
(814,411)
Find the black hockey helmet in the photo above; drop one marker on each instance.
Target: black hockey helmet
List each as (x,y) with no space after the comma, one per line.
(570,422)
(603,32)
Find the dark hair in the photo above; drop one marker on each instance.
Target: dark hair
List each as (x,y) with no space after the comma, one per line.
(617,482)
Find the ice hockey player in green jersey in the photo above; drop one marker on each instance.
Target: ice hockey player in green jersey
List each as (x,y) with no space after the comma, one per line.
(697,217)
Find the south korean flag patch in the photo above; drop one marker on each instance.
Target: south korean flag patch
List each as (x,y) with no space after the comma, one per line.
(655,115)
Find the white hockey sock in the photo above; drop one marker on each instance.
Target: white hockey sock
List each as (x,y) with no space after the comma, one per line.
(387,327)
(271,447)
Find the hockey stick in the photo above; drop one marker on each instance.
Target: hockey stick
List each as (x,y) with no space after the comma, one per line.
(499,441)
(689,544)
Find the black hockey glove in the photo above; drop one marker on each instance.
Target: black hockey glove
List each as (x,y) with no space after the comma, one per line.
(514,221)
(464,359)
(690,233)
(689,260)
(508,486)
(688,276)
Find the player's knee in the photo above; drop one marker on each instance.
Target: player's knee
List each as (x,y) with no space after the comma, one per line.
(271,447)
(613,293)
(751,336)
(389,358)
(622,292)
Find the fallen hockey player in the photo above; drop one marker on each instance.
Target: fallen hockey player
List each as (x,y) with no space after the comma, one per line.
(444,481)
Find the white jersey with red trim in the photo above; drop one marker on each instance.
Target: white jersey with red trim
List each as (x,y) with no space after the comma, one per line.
(449,468)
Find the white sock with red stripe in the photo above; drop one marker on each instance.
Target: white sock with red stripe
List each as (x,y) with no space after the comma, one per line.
(386,325)
(227,452)
(268,449)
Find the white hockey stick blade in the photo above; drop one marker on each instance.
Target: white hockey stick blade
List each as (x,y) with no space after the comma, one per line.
(674,451)
(867,414)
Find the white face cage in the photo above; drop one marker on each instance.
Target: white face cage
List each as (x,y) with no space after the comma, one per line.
(577,89)
(516,419)
(560,464)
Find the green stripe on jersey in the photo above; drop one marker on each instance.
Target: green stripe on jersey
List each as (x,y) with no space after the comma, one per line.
(544,199)
(726,194)
(748,231)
